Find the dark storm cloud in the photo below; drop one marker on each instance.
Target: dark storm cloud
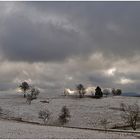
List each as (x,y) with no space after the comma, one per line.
(59,44)
(32,38)
(25,41)
(52,31)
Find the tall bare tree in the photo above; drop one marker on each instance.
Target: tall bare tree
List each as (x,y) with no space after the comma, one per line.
(24,87)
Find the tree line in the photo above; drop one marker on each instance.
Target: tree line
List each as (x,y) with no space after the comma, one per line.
(98,91)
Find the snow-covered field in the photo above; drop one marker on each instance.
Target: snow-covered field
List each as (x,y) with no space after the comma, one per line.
(85,112)
(21,130)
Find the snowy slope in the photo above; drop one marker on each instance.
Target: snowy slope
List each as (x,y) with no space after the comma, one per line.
(15,130)
(85,112)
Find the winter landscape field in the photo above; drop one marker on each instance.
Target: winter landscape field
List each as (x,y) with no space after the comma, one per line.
(20,120)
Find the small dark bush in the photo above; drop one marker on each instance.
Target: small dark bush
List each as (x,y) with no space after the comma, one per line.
(65,115)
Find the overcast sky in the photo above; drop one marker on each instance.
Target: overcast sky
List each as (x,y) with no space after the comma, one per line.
(54,45)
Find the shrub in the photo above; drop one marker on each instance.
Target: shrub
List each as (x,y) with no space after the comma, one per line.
(44,115)
(35,92)
(65,115)
(130,114)
(32,95)
(104,122)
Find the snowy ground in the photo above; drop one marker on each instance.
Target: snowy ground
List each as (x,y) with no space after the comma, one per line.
(85,112)
(15,130)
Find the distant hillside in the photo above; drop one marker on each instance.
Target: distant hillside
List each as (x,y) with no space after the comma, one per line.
(132,94)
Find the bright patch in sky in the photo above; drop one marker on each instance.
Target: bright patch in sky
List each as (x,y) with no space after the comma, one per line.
(111,71)
(126,81)
(68,77)
(18,90)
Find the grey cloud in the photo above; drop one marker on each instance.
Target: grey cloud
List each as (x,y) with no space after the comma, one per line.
(60,44)
(108,27)
(24,41)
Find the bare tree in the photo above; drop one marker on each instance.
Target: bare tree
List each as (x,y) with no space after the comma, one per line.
(34,92)
(113,91)
(32,95)
(130,114)
(106,92)
(44,115)
(116,92)
(24,87)
(81,89)
(65,115)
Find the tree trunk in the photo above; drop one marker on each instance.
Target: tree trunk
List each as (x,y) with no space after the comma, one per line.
(45,121)
(24,95)
(80,94)
(134,126)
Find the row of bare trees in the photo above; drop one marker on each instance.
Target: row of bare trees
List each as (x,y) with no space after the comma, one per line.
(80,88)
(98,91)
